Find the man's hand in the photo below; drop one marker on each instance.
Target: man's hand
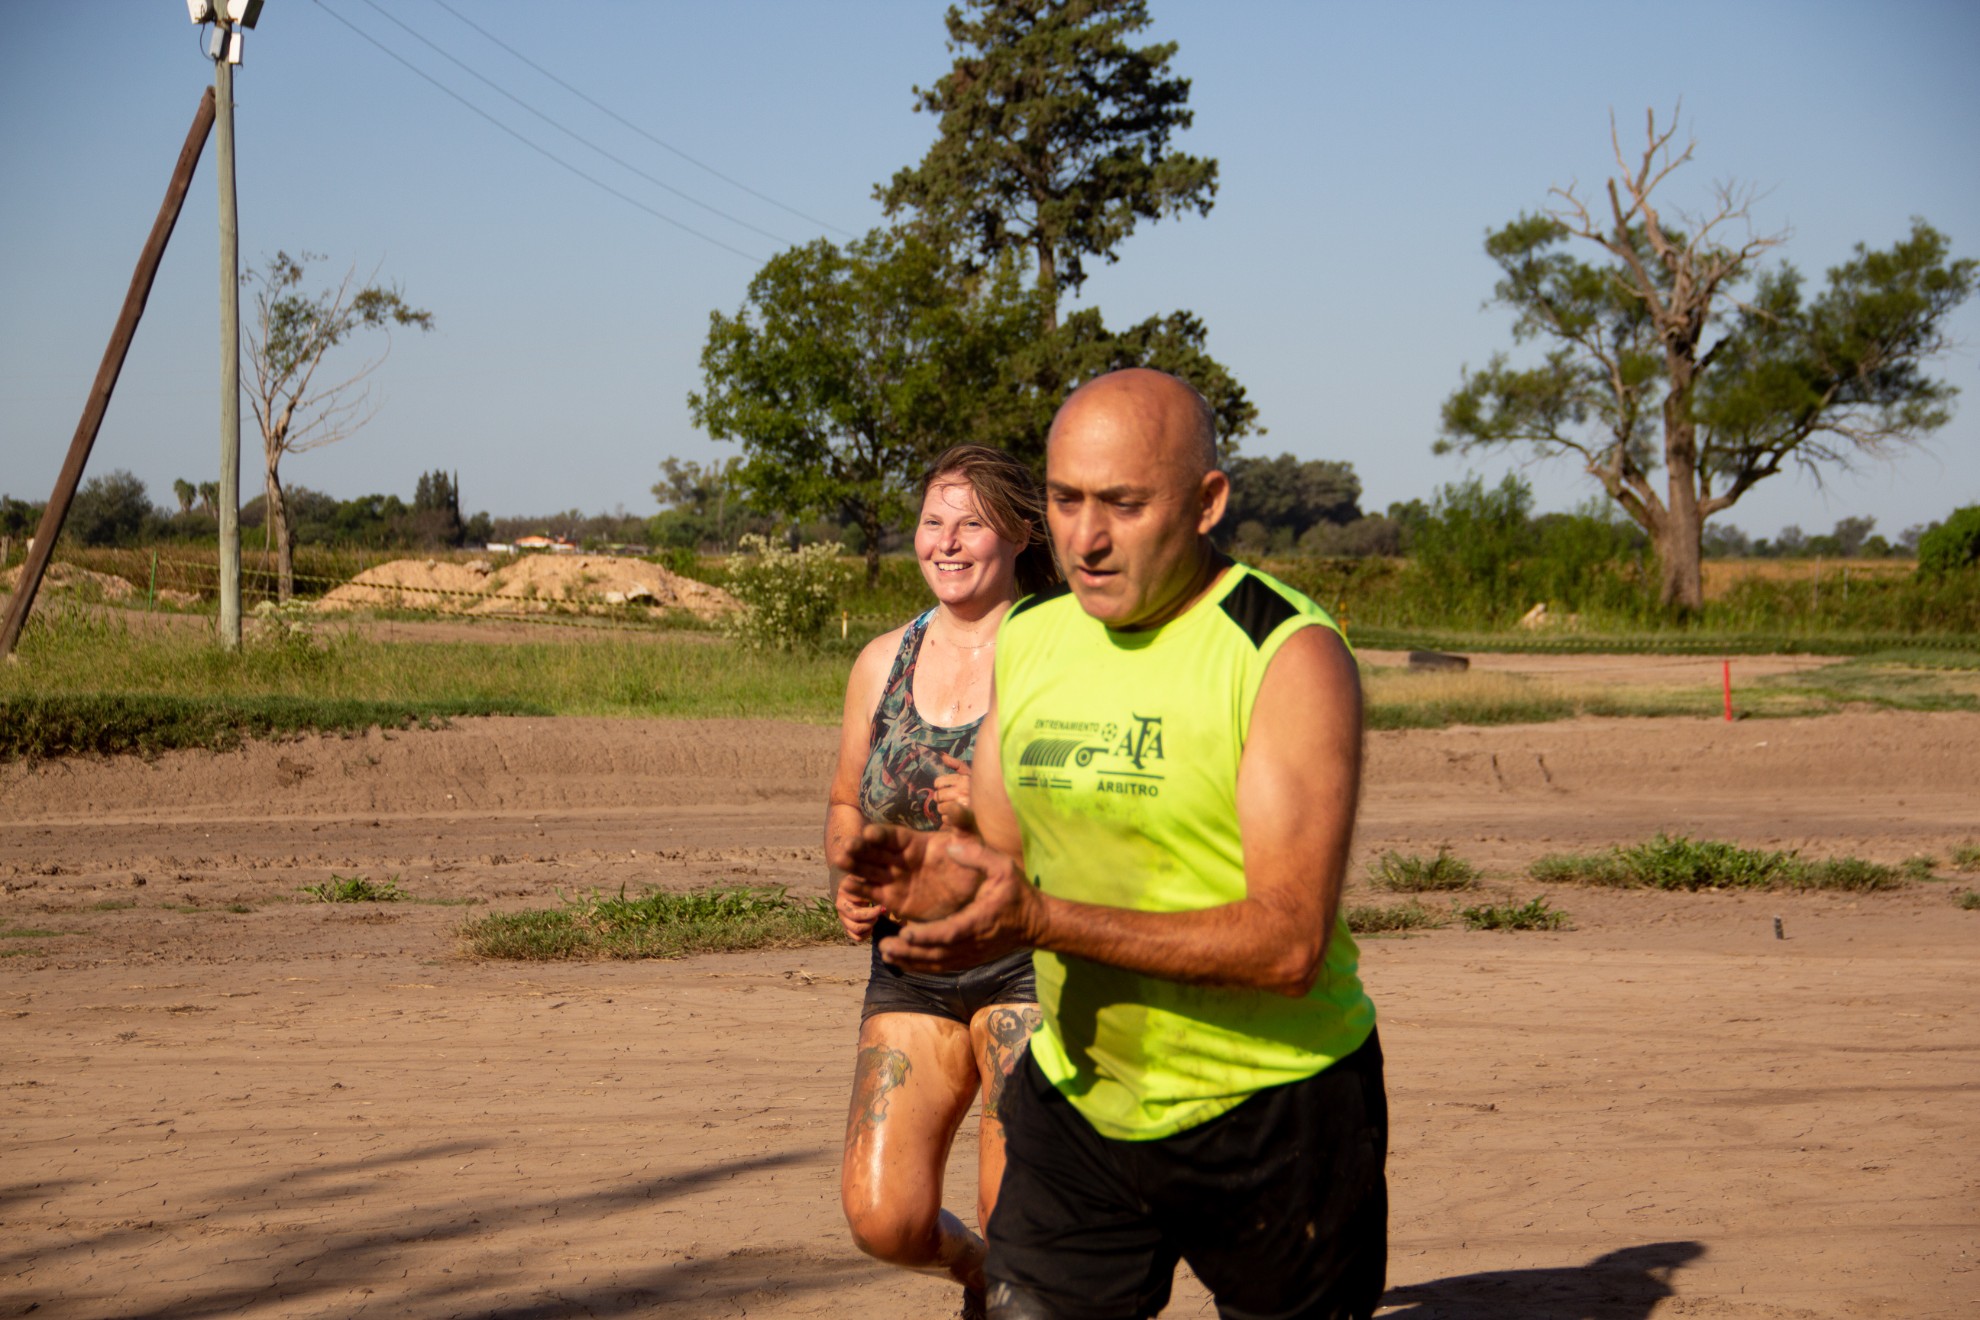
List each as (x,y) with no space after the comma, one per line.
(1003,914)
(908,872)
(856,914)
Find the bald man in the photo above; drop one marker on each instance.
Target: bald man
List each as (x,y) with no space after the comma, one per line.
(1165,790)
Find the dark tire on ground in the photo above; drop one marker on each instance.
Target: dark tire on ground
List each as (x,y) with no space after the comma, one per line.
(1437,660)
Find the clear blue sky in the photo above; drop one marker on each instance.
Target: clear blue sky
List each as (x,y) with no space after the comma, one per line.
(1365,150)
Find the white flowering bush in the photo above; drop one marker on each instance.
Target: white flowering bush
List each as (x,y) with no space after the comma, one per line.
(787,595)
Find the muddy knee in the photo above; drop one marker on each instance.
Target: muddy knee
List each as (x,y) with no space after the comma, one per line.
(898,1239)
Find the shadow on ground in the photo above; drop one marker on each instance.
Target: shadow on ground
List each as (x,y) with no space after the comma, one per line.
(1621,1285)
(390,1268)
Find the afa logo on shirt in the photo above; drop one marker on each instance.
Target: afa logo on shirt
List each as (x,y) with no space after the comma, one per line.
(1124,754)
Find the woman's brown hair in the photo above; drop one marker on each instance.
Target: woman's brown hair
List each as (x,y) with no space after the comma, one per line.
(1010,500)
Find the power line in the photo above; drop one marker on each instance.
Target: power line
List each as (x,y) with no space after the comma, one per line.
(658,142)
(540,150)
(573,133)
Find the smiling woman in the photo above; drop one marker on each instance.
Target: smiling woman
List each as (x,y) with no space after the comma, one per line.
(929,1044)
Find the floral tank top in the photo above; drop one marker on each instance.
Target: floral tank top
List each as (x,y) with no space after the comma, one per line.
(898,785)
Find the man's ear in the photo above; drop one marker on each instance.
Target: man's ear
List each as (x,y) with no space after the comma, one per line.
(1215,493)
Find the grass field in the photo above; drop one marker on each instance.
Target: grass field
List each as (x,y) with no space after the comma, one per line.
(88,681)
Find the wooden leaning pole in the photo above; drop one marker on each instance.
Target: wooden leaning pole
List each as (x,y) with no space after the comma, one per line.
(98,403)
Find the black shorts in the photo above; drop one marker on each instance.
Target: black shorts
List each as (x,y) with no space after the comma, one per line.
(1281,1205)
(958,996)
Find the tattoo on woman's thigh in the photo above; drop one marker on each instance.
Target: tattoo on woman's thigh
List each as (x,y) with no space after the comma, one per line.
(880,1071)
(1010,1031)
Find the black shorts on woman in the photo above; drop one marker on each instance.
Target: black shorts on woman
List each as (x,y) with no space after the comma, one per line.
(897,787)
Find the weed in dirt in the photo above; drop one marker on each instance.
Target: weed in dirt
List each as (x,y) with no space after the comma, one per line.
(1852,873)
(1407,873)
(28,933)
(1371,920)
(656,925)
(356,889)
(239,908)
(1534,914)
(113,905)
(1968,899)
(1679,863)
(1966,857)
(447,902)
(1919,867)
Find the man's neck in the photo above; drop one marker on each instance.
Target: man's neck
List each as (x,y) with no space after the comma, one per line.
(1210,565)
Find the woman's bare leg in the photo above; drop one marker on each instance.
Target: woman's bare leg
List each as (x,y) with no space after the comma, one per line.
(913,1083)
(999,1036)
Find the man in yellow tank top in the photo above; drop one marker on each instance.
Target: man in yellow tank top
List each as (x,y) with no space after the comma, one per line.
(1165,790)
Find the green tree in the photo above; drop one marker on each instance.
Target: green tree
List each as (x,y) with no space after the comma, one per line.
(701,504)
(1656,357)
(18,517)
(1285,495)
(109,510)
(1054,137)
(436,515)
(1952,545)
(847,369)
(290,336)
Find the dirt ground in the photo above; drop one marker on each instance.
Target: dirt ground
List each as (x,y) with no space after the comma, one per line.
(220,1100)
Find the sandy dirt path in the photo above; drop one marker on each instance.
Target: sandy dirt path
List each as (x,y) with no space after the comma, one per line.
(325,1110)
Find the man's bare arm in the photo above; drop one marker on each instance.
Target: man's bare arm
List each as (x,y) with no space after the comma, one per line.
(1298,784)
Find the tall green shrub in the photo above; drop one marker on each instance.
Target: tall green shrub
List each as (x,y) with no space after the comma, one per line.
(1952,545)
(787,595)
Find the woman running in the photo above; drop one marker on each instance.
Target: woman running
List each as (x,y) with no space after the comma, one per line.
(930,1044)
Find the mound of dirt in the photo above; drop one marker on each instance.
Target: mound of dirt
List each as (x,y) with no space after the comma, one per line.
(67,577)
(532,584)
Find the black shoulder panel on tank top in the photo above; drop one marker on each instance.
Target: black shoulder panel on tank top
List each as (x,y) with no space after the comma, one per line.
(1053,592)
(1257,609)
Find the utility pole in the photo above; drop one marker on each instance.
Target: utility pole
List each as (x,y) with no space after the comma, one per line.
(225,52)
(98,403)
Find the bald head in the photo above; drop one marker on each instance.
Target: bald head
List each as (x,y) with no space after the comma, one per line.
(1165,412)
(1132,492)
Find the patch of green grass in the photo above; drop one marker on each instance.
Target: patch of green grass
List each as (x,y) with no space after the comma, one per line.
(657,924)
(1919,867)
(87,683)
(355,889)
(1851,873)
(113,905)
(1407,873)
(1966,857)
(239,907)
(1372,920)
(42,726)
(1534,914)
(1968,899)
(1949,650)
(1876,681)
(447,902)
(1679,863)
(29,933)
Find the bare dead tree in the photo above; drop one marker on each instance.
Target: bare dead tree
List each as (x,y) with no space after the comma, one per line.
(292,336)
(1677,351)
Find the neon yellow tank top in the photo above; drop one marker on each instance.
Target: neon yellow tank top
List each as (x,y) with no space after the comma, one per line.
(1120,755)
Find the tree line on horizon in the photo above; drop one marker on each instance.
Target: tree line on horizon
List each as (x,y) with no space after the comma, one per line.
(1281,507)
